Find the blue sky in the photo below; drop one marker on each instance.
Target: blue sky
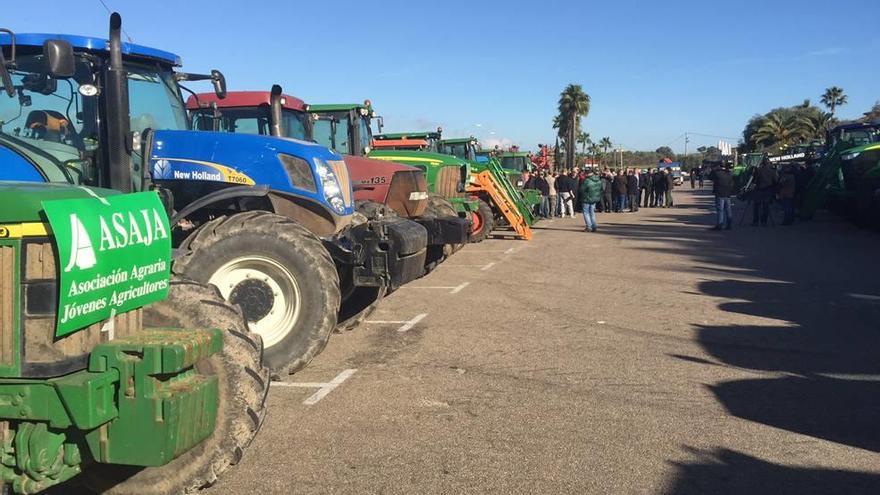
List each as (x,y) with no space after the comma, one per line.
(495,69)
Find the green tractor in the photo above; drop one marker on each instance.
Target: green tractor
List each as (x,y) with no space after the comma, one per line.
(347,127)
(467,149)
(113,375)
(846,173)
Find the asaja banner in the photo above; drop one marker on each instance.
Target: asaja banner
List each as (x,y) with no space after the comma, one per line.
(114,256)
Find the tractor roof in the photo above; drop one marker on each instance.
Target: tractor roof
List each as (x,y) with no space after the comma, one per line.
(88,43)
(408,135)
(856,125)
(458,140)
(335,107)
(238,99)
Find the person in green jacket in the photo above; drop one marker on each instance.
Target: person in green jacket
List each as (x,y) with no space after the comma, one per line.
(591,192)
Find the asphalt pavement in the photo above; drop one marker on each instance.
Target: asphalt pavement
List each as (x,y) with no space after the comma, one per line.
(653,356)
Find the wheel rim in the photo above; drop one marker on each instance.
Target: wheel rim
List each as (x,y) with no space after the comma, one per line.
(266,291)
(477,223)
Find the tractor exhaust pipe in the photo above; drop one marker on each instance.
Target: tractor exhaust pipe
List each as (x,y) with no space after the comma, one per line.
(275,111)
(119,139)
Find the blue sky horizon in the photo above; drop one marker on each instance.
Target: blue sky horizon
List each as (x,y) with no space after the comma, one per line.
(495,69)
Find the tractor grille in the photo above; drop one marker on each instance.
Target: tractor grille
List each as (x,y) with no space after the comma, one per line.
(44,354)
(341,171)
(448,180)
(403,183)
(7,301)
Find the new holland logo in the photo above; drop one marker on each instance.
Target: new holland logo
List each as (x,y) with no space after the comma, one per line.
(82,254)
(162,169)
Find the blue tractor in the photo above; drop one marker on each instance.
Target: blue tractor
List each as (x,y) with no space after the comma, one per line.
(268,221)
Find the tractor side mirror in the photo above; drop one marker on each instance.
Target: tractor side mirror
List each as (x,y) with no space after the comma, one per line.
(58,55)
(219,82)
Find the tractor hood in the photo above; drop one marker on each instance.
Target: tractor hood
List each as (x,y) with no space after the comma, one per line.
(417,156)
(23,201)
(248,160)
(400,187)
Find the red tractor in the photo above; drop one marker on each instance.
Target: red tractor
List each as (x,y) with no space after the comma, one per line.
(381,188)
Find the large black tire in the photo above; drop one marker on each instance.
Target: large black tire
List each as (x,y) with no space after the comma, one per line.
(484,222)
(243,381)
(290,259)
(438,206)
(350,322)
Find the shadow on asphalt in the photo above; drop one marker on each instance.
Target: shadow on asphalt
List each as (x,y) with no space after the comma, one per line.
(724,471)
(820,336)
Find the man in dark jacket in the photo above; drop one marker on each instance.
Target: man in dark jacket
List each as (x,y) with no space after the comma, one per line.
(647,185)
(632,190)
(620,191)
(722,187)
(590,193)
(659,188)
(765,179)
(542,185)
(565,188)
(607,187)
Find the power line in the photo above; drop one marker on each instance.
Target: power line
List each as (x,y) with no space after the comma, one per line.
(110,12)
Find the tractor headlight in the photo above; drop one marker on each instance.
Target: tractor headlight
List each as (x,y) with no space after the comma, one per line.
(330,185)
(851,156)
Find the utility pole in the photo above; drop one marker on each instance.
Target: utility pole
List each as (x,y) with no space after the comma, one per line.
(686,140)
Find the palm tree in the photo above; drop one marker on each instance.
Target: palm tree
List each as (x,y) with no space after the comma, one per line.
(573,104)
(779,130)
(605,143)
(583,139)
(833,98)
(813,126)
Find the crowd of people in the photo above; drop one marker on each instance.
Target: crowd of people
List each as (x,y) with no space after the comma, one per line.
(589,190)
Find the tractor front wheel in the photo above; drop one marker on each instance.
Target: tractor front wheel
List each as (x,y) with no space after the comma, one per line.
(280,275)
(483,222)
(243,385)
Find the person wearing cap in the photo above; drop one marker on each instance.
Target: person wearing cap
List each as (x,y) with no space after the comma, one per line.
(590,193)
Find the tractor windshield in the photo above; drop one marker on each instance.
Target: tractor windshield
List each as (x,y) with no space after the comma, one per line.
(154,100)
(458,150)
(333,130)
(252,120)
(518,163)
(857,137)
(49,122)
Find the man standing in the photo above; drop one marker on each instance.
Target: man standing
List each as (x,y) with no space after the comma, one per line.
(765,179)
(693,175)
(787,190)
(607,187)
(566,187)
(647,185)
(632,189)
(551,189)
(542,185)
(659,188)
(591,192)
(620,191)
(670,185)
(722,187)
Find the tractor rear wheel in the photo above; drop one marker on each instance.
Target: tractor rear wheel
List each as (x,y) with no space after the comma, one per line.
(243,385)
(278,272)
(484,222)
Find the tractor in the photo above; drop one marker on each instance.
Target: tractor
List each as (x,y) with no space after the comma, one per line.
(468,149)
(268,221)
(381,189)
(116,377)
(845,180)
(446,176)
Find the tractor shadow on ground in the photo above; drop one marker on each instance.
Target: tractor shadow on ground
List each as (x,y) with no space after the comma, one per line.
(818,337)
(724,471)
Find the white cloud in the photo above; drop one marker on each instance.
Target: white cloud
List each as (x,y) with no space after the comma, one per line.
(490,143)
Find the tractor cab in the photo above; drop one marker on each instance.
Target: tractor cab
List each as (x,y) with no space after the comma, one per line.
(410,141)
(464,148)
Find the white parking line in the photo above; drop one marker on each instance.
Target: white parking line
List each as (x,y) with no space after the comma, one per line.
(411,323)
(488,266)
(866,297)
(407,324)
(452,290)
(510,250)
(323,388)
